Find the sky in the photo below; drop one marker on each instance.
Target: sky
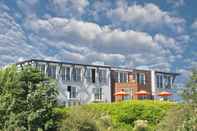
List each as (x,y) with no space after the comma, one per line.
(145,34)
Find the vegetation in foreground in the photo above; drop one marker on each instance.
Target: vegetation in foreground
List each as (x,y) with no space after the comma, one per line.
(28,102)
(27,99)
(120,116)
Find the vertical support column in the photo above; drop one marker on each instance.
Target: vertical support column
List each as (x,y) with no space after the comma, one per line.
(153,86)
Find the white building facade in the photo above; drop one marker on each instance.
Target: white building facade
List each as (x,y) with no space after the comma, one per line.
(77,83)
(82,84)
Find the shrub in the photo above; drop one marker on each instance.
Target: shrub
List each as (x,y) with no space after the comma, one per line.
(120,116)
(80,119)
(141,125)
(184,118)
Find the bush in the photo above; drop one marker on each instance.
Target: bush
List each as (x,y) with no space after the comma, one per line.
(179,119)
(141,125)
(183,118)
(80,119)
(121,116)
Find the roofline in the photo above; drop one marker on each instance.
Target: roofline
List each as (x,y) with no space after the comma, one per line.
(103,66)
(174,73)
(59,62)
(121,69)
(164,72)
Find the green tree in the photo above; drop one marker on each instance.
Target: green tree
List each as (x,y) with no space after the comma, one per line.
(27,100)
(184,117)
(190,97)
(190,92)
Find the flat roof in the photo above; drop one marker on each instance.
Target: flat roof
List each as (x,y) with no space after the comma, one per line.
(60,62)
(92,65)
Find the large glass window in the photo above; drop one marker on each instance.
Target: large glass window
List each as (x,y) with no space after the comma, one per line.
(167,81)
(91,75)
(98,93)
(72,91)
(51,71)
(123,77)
(76,74)
(116,76)
(141,78)
(159,80)
(68,74)
(102,76)
(63,76)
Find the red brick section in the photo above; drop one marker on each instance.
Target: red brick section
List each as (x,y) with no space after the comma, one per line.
(116,87)
(147,86)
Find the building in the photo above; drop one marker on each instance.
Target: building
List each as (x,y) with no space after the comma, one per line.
(81,83)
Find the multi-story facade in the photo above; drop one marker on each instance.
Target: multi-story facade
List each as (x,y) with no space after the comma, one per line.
(77,83)
(80,83)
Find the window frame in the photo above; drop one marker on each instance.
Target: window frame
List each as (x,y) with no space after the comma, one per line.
(140,80)
(52,68)
(98,96)
(102,75)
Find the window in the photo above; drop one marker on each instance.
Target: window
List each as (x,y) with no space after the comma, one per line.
(72,92)
(159,79)
(51,71)
(116,76)
(168,81)
(141,78)
(91,75)
(98,93)
(76,74)
(41,67)
(67,73)
(123,77)
(102,76)
(63,73)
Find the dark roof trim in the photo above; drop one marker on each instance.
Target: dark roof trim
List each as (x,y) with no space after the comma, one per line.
(102,66)
(59,62)
(168,73)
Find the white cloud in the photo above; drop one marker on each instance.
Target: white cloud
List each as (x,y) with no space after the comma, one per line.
(12,40)
(71,8)
(176,3)
(27,7)
(194,25)
(145,16)
(168,43)
(82,42)
(88,42)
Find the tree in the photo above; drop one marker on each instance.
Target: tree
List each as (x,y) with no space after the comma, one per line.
(184,116)
(27,100)
(190,92)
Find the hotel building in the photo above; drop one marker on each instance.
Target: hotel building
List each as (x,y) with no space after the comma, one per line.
(81,83)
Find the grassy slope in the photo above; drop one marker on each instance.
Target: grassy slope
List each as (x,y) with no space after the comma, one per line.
(123,114)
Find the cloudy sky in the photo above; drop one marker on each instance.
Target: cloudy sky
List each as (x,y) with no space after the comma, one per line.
(157,34)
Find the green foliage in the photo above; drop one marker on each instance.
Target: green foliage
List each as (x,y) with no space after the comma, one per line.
(184,118)
(190,92)
(141,125)
(81,119)
(122,115)
(27,100)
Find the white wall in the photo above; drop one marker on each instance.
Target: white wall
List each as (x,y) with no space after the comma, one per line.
(84,88)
